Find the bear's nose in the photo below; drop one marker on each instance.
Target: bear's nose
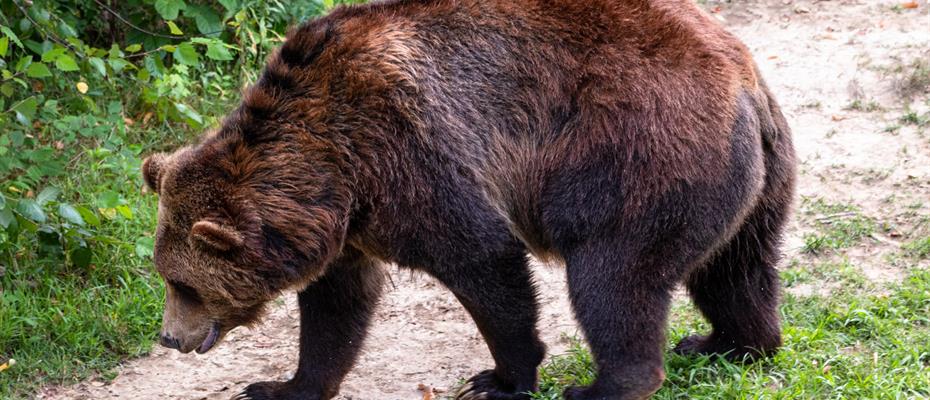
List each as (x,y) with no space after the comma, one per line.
(169,342)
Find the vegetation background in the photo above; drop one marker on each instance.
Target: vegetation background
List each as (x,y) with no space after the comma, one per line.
(87,87)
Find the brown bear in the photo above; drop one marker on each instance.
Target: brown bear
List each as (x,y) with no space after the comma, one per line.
(631,140)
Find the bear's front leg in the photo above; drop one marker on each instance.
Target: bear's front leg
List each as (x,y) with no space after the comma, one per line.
(499,295)
(335,312)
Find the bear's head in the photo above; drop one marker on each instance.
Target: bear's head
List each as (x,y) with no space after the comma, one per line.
(236,229)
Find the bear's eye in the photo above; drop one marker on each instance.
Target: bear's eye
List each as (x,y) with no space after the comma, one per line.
(185,291)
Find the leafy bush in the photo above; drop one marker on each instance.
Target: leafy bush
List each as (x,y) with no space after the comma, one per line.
(86,88)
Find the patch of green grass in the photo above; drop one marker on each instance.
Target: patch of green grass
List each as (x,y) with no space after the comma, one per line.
(919,248)
(838,233)
(63,322)
(913,118)
(913,78)
(843,272)
(844,346)
(817,205)
(892,129)
(838,225)
(574,368)
(795,274)
(867,106)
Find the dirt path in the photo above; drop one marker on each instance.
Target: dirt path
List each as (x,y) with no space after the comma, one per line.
(421,336)
(819,58)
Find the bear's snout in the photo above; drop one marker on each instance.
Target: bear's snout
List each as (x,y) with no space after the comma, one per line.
(169,341)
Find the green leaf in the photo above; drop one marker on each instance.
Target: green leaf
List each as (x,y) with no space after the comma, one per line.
(81,256)
(26,224)
(207,21)
(173,28)
(125,211)
(230,5)
(134,48)
(48,194)
(145,247)
(143,75)
(4,45)
(66,63)
(115,52)
(26,110)
(23,63)
(2,201)
(66,30)
(70,214)
(108,199)
(38,70)
(327,4)
(9,33)
(53,54)
(6,217)
(168,9)
(153,65)
(118,64)
(217,51)
(189,113)
(89,216)
(98,65)
(186,54)
(31,210)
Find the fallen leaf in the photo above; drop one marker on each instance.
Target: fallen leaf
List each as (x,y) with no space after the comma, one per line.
(11,362)
(837,117)
(427,391)
(910,4)
(82,87)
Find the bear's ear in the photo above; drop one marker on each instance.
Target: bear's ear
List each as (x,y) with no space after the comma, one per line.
(151,170)
(216,236)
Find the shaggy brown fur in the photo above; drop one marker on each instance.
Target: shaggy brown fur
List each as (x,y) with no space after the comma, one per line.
(632,140)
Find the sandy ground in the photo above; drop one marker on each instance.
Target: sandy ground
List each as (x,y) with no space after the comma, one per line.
(818,57)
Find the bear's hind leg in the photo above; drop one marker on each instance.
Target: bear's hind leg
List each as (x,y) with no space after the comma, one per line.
(738,290)
(335,312)
(621,301)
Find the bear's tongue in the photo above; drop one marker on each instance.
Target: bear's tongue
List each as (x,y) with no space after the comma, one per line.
(210,340)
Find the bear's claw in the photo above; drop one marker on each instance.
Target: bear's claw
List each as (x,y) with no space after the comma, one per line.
(270,391)
(693,345)
(485,386)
